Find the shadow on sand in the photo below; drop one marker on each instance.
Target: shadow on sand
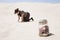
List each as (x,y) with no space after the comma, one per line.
(50,34)
(26,21)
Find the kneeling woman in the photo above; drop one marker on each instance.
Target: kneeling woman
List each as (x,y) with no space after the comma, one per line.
(24,15)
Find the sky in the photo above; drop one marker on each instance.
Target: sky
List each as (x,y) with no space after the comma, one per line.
(49,1)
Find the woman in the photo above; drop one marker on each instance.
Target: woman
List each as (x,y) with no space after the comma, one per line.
(24,15)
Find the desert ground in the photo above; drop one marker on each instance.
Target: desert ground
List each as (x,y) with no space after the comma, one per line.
(11,29)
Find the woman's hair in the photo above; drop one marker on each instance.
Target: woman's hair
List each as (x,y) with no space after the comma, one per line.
(16,10)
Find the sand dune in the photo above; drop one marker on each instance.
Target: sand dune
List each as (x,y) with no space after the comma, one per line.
(11,29)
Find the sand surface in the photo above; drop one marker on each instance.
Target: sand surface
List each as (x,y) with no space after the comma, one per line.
(11,29)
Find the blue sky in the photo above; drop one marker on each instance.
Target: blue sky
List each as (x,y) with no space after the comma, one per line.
(49,1)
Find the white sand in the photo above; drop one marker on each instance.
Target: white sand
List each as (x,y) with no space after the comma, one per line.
(10,29)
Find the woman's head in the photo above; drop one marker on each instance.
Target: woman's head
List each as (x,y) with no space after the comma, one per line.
(16,10)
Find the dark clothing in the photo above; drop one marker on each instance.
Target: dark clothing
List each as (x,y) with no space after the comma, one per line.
(20,13)
(25,15)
